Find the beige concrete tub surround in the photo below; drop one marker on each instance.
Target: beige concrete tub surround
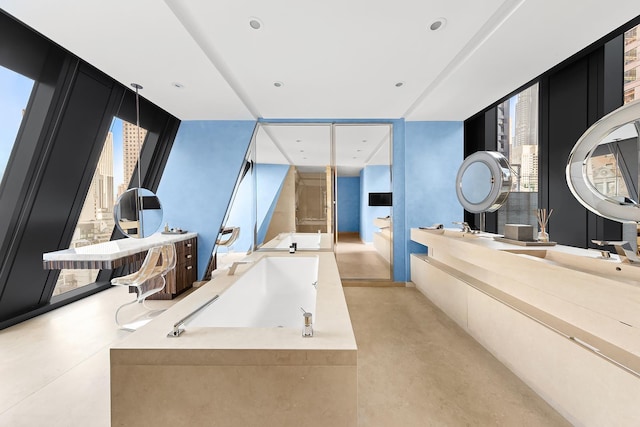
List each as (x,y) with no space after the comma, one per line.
(564,321)
(218,376)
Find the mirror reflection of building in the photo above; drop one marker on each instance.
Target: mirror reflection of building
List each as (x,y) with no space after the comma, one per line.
(603,172)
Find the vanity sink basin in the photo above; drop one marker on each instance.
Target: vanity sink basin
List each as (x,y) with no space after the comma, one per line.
(586,260)
(450,232)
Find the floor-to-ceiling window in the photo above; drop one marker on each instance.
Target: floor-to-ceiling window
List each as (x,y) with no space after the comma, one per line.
(518,140)
(15,89)
(111,178)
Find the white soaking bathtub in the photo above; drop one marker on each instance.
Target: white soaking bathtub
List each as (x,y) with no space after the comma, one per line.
(211,372)
(303,240)
(268,295)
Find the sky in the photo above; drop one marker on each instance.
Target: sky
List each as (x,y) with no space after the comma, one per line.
(15,90)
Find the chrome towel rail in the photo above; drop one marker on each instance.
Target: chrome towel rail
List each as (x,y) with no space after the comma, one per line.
(176,326)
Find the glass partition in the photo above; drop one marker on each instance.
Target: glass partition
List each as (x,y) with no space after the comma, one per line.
(364,211)
(293,181)
(310,183)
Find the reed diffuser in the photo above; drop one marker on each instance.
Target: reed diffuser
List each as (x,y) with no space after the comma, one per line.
(543,220)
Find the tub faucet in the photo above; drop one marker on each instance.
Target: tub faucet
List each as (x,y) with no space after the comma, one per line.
(307,329)
(623,249)
(464,225)
(234,266)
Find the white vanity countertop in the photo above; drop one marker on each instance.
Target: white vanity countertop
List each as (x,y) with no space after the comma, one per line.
(599,296)
(115,249)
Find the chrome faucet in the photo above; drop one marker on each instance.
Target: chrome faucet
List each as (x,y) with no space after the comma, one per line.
(623,249)
(307,329)
(234,266)
(464,225)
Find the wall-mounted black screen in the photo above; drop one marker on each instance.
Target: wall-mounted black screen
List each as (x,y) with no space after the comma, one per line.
(380,199)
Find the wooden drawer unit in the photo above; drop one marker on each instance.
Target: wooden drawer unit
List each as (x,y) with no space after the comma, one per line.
(185,273)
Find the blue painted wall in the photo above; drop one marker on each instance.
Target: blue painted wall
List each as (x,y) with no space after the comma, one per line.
(433,154)
(207,156)
(398,179)
(374,179)
(269,180)
(198,180)
(349,204)
(241,214)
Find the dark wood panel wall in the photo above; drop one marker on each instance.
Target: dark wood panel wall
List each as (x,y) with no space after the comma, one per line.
(53,161)
(572,96)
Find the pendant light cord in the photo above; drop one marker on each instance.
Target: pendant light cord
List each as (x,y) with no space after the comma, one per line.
(139,196)
(138,87)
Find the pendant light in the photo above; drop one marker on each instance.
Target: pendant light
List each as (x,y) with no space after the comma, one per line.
(138,212)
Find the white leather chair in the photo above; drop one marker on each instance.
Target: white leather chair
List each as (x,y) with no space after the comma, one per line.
(157,263)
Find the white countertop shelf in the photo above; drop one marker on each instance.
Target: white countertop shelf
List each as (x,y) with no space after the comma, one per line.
(107,254)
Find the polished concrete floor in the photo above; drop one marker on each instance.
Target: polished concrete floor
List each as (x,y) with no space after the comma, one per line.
(360,261)
(415,367)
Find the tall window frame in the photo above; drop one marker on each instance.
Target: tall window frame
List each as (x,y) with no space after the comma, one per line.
(52,163)
(111,178)
(517,139)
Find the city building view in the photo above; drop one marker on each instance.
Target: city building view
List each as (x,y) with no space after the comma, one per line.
(117,162)
(518,141)
(631,65)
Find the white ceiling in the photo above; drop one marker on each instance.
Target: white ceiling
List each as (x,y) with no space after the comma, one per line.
(308,146)
(335,58)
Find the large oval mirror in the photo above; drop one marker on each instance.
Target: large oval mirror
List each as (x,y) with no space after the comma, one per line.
(602,170)
(138,213)
(483,182)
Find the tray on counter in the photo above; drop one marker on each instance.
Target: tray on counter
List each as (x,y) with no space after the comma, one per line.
(175,232)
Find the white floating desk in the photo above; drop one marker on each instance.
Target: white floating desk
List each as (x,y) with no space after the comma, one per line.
(109,255)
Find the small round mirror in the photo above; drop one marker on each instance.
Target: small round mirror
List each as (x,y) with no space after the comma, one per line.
(476,183)
(138,213)
(483,182)
(602,170)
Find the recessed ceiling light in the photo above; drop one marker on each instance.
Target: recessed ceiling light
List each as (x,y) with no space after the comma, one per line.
(438,24)
(399,84)
(177,85)
(358,151)
(278,84)
(354,157)
(298,140)
(302,151)
(255,23)
(364,140)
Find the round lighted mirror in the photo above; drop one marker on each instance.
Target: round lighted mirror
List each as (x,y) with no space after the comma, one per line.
(138,213)
(483,182)
(602,170)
